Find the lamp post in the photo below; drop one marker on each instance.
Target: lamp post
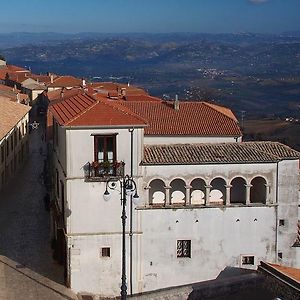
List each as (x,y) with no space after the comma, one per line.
(127,188)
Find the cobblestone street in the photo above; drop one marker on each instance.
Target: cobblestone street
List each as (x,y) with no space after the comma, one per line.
(24,221)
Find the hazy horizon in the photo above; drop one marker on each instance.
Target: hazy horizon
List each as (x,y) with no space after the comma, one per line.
(156,16)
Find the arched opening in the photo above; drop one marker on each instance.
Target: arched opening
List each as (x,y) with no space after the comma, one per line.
(177,192)
(238,190)
(258,191)
(157,192)
(217,193)
(198,191)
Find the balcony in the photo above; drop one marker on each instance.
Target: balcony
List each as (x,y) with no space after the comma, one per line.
(101,171)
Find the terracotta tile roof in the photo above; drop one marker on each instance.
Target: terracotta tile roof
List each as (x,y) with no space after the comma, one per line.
(114,89)
(65,81)
(12,94)
(275,148)
(10,68)
(8,88)
(292,273)
(42,78)
(10,114)
(18,76)
(192,118)
(217,153)
(84,110)
(141,98)
(58,95)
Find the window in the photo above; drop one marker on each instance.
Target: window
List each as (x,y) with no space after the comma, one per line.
(184,248)
(105,155)
(281,222)
(280,255)
(248,260)
(105,148)
(105,252)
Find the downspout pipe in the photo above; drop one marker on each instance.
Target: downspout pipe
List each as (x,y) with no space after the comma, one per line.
(276,212)
(130,213)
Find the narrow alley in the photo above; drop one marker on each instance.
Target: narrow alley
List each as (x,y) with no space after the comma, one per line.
(24,220)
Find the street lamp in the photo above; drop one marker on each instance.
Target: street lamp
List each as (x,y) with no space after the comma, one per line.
(127,188)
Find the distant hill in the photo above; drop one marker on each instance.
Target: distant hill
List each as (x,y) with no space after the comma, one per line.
(256,73)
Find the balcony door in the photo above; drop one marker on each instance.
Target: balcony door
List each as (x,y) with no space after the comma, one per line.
(105,148)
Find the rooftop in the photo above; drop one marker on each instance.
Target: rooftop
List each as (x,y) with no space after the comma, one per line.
(191,119)
(65,81)
(83,110)
(10,114)
(245,152)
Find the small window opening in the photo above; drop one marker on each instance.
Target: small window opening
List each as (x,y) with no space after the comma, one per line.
(248,260)
(281,222)
(184,248)
(280,255)
(105,252)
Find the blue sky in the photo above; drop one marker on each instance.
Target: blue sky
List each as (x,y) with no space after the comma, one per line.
(110,16)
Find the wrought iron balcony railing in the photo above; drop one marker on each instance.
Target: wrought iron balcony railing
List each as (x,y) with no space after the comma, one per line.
(101,170)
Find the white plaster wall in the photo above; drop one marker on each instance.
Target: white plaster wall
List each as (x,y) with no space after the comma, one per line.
(80,145)
(169,140)
(218,240)
(35,94)
(288,189)
(90,272)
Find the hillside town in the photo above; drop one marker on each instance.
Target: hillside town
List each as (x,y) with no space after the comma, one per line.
(145,195)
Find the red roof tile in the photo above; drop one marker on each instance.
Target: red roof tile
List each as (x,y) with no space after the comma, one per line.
(115,89)
(84,110)
(288,271)
(65,81)
(11,69)
(141,98)
(192,118)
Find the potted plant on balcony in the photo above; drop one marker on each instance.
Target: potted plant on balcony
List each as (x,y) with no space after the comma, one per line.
(95,168)
(107,167)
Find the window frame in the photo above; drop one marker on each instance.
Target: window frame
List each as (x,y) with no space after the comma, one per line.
(247,260)
(105,137)
(180,246)
(105,252)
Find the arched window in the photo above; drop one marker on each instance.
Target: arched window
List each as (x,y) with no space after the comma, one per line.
(217,193)
(177,192)
(238,190)
(157,192)
(198,191)
(258,191)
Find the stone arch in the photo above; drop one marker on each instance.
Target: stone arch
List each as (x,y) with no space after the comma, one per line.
(238,190)
(258,190)
(217,193)
(198,191)
(177,191)
(157,193)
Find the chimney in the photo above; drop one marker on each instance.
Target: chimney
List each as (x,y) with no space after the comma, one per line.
(51,78)
(128,84)
(123,92)
(176,103)
(62,93)
(83,83)
(18,97)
